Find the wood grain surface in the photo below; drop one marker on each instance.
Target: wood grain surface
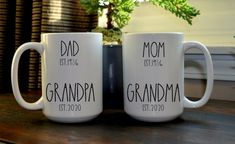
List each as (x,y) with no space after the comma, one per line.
(212,124)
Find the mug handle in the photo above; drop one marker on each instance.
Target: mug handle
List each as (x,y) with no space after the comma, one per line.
(14,75)
(210,74)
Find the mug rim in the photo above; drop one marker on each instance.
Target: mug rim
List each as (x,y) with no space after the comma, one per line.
(71,33)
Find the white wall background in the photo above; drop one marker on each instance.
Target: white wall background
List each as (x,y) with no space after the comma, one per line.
(214,27)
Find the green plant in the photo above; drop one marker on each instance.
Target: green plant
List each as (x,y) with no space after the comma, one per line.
(110,35)
(119,11)
(180,8)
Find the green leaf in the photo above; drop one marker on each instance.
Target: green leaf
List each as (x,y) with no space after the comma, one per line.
(121,9)
(180,8)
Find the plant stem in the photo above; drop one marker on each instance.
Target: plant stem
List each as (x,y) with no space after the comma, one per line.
(109,16)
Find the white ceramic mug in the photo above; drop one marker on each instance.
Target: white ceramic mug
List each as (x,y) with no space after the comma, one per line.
(71,76)
(153,69)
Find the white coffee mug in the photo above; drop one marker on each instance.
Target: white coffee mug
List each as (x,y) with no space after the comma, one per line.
(71,76)
(153,69)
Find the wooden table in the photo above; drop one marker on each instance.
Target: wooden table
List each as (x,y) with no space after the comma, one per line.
(213,123)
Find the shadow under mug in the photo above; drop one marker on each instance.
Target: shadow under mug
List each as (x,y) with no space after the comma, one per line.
(153,70)
(71,76)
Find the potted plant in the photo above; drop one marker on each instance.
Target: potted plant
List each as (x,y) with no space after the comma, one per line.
(118,15)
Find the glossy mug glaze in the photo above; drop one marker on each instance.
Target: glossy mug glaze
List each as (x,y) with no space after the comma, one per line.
(71,76)
(153,70)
